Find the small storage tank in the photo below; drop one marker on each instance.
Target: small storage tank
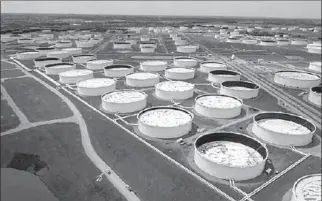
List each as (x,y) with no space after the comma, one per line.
(187,48)
(83,58)
(55,69)
(185,62)
(283,129)
(95,86)
(74,76)
(122,45)
(208,66)
(218,106)
(153,66)
(43,61)
(240,89)
(58,54)
(145,38)
(64,44)
(118,70)
(165,122)
(124,101)
(233,40)
(219,76)
(177,90)
(180,42)
(180,73)
(307,188)
(142,79)
(315,66)
(315,95)
(297,79)
(28,55)
(73,51)
(98,64)
(228,155)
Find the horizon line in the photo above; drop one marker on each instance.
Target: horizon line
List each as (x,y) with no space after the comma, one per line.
(205,16)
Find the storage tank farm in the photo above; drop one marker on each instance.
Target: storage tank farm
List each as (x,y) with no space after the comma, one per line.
(128,89)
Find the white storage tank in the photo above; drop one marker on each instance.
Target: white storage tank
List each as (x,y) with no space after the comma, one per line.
(98,64)
(26,41)
(218,106)
(268,43)
(249,41)
(283,42)
(74,76)
(145,38)
(73,51)
(283,129)
(124,101)
(165,122)
(299,42)
(64,44)
(239,89)
(307,188)
(84,43)
(315,66)
(233,40)
(148,44)
(147,49)
(153,66)
(83,58)
(28,55)
(187,48)
(208,66)
(315,95)
(58,54)
(177,90)
(180,73)
(118,70)
(55,69)
(180,42)
(297,79)
(228,155)
(122,45)
(43,61)
(314,48)
(185,62)
(142,79)
(95,86)
(45,50)
(219,76)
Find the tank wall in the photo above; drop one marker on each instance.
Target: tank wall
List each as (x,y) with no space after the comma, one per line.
(95,91)
(217,112)
(124,107)
(152,68)
(142,83)
(122,46)
(82,59)
(220,79)
(180,63)
(315,98)
(178,95)
(46,62)
(207,69)
(242,94)
(72,80)
(179,76)
(96,66)
(56,71)
(117,73)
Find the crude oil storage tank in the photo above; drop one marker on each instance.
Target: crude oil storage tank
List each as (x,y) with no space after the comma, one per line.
(55,69)
(307,188)
(124,101)
(177,90)
(218,106)
(185,62)
(283,129)
(219,76)
(83,58)
(95,86)
(240,89)
(43,61)
(142,79)
(228,155)
(315,95)
(208,66)
(28,55)
(98,64)
(118,70)
(180,73)
(153,66)
(74,76)
(315,66)
(297,79)
(165,122)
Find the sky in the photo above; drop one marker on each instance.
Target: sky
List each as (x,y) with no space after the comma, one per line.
(278,9)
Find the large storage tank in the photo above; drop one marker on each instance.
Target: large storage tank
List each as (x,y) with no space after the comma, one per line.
(74,76)
(180,73)
(124,101)
(118,70)
(218,106)
(142,79)
(153,66)
(58,54)
(95,86)
(185,62)
(240,89)
(165,122)
(42,61)
(307,188)
(55,69)
(28,55)
(315,95)
(219,76)
(315,66)
(83,58)
(187,48)
(122,45)
(73,51)
(208,66)
(98,64)
(297,79)
(177,90)
(228,155)
(283,129)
